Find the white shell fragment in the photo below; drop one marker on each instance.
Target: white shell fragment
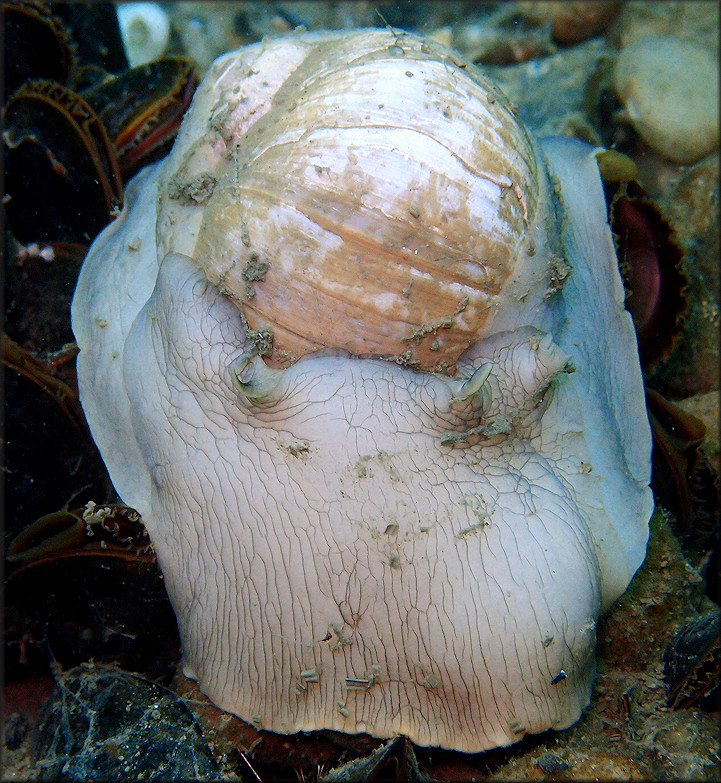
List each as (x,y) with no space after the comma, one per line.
(145,30)
(670,91)
(352,543)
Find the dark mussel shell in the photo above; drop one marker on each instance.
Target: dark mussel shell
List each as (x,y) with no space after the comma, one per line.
(677,439)
(113,529)
(393,761)
(142,108)
(20,360)
(692,662)
(685,483)
(62,177)
(36,45)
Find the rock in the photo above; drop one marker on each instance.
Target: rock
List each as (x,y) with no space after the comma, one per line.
(706,407)
(550,91)
(692,209)
(669,88)
(570,22)
(697,21)
(691,204)
(499,40)
(106,724)
(16,728)
(552,764)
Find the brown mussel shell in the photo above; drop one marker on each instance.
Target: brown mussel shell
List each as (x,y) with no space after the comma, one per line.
(651,264)
(37,45)
(142,108)
(73,132)
(113,529)
(678,461)
(63,181)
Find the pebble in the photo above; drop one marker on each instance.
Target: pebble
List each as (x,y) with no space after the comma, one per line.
(706,407)
(552,764)
(16,729)
(571,22)
(669,88)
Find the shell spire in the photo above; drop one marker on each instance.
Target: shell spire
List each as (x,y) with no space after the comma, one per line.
(339,218)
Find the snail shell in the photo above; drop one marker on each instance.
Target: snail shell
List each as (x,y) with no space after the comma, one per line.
(368,194)
(350,544)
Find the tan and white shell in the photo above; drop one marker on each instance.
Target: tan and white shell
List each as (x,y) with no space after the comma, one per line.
(388,217)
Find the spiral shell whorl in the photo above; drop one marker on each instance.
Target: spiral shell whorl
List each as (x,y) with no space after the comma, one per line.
(380,204)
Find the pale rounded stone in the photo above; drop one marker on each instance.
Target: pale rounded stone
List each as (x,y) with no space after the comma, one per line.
(670,90)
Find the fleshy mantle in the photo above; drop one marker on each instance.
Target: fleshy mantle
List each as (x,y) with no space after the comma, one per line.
(340,550)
